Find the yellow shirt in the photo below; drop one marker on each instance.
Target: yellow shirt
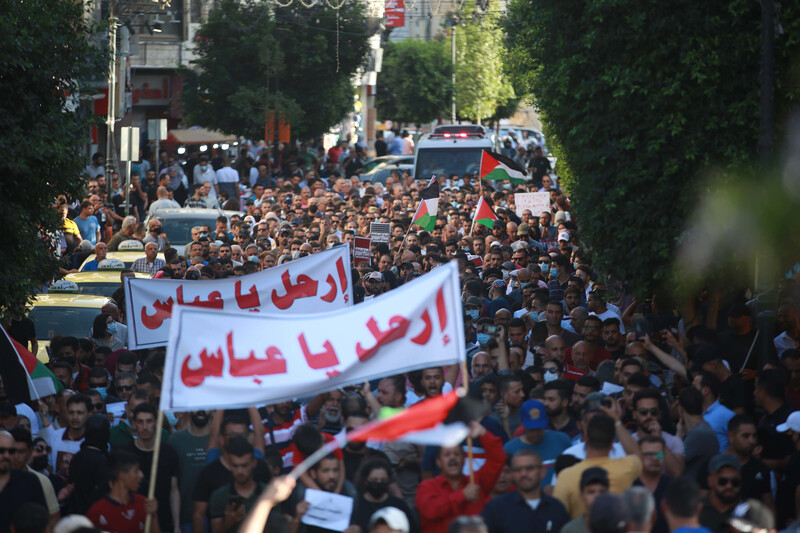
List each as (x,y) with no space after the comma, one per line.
(622,473)
(70,227)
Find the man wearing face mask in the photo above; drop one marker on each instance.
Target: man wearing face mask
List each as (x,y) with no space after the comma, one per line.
(191,444)
(155,235)
(98,380)
(204,173)
(373,494)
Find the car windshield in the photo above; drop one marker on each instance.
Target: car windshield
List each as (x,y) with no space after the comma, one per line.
(435,161)
(179,230)
(56,320)
(98,288)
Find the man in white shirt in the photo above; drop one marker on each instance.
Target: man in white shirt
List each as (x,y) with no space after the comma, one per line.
(204,173)
(789,323)
(163,202)
(228,179)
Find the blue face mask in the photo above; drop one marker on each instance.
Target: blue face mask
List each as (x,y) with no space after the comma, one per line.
(553,272)
(111,328)
(575,266)
(483,338)
(474,313)
(203,168)
(534,316)
(102,391)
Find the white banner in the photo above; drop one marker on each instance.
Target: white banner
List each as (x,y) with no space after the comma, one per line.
(315,283)
(221,360)
(537,202)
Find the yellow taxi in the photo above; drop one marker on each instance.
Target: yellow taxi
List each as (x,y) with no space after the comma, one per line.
(62,311)
(99,282)
(127,258)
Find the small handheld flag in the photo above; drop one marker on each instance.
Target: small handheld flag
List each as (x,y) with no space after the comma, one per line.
(425,217)
(497,167)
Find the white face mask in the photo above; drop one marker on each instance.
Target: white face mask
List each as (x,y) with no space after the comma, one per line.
(550,376)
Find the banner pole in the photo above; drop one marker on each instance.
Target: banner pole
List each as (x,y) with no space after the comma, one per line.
(465,384)
(151,490)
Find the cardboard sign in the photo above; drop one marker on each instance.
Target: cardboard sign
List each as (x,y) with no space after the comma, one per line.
(327,510)
(380,232)
(361,250)
(536,202)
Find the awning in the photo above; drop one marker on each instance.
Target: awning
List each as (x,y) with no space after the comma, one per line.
(199,136)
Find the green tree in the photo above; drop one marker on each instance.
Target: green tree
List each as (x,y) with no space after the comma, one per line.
(481,84)
(415,83)
(638,99)
(243,58)
(46,49)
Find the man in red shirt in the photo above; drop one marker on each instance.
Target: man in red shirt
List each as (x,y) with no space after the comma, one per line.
(450,494)
(122,510)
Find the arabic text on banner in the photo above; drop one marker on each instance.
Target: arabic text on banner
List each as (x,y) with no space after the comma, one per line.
(227,359)
(315,283)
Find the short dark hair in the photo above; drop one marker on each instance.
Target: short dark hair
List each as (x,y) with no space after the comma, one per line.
(377,463)
(589,381)
(560,386)
(646,394)
(119,462)
(600,432)
(80,398)
(653,439)
(639,380)
(127,358)
(594,318)
(738,421)
(506,381)
(21,434)
(691,400)
(30,517)
(611,321)
(682,497)
(145,408)
(239,447)
(631,361)
(773,382)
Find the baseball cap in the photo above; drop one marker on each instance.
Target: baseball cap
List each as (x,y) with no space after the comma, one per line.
(376,276)
(392,517)
(498,283)
(564,236)
(593,475)
(523,229)
(792,423)
(608,514)
(296,221)
(473,301)
(534,415)
(720,461)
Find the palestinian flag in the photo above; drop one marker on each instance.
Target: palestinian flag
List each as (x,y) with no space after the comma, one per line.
(484,215)
(19,368)
(498,167)
(425,216)
(439,421)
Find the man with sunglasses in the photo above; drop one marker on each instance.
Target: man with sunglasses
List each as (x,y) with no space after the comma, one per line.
(646,414)
(724,483)
(16,487)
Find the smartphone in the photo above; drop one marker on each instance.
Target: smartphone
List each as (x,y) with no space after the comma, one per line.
(641,326)
(236,500)
(490,329)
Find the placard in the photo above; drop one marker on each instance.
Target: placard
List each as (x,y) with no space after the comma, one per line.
(327,510)
(537,202)
(380,232)
(361,250)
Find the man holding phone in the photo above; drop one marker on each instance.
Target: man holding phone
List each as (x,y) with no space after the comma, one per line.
(230,503)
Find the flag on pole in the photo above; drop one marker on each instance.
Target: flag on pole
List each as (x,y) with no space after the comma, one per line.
(498,167)
(439,421)
(17,365)
(484,215)
(425,216)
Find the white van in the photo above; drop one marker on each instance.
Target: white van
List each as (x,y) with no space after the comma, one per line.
(452,149)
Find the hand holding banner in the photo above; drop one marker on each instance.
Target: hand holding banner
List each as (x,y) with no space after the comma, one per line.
(224,359)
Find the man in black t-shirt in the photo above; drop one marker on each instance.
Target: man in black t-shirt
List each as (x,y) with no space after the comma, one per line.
(21,329)
(743,441)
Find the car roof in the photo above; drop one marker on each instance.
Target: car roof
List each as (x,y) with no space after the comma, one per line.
(191,212)
(125,257)
(69,300)
(101,276)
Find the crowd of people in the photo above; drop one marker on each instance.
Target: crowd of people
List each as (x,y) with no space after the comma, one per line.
(602,413)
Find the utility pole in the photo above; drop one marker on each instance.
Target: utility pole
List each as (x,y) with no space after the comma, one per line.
(453,57)
(767,103)
(112,96)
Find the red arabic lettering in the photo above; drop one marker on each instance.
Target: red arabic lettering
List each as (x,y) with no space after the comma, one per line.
(320,360)
(331,296)
(163,312)
(214,300)
(342,275)
(252,366)
(247,301)
(425,335)
(398,326)
(304,288)
(441,309)
(211,365)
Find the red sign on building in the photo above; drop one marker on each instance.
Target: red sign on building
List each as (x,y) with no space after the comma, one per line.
(395,13)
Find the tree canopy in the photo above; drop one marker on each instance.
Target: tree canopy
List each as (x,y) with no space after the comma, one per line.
(415,82)
(46,49)
(638,100)
(247,67)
